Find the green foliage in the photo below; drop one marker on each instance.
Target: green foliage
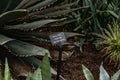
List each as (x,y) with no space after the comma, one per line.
(87,73)
(94,17)
(7,72)
(111,41)
(103,74)
(22,24)
(45,69)
(94,14)
(43,73)
(7,75)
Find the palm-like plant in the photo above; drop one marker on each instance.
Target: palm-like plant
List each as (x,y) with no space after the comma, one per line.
(21,25)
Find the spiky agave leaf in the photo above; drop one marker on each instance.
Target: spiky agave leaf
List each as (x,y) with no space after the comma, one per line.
(32,25)
(20,48)
(42,4)
(11,15)
(53,9)
(24,49)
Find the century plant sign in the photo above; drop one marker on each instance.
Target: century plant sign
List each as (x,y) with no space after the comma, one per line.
(57,38)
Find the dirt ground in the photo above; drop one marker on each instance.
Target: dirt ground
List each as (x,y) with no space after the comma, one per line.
(72,68)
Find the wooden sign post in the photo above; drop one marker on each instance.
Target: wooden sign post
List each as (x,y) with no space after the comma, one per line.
(58,39)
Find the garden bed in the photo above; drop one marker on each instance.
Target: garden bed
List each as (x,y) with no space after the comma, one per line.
(72,68)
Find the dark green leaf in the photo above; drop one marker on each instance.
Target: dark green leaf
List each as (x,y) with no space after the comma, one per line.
(42,4)
(11,15)
(32,25)
(24,49)
(72,34)
(4,39)
(23,2)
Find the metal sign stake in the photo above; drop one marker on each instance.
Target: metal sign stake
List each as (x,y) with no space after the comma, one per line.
(58,39)
(59,63)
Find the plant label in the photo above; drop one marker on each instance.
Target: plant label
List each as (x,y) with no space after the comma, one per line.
(57,38)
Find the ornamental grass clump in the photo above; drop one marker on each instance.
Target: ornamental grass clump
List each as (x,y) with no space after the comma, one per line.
(110,39)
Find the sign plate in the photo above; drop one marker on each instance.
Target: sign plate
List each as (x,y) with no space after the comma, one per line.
(57,38)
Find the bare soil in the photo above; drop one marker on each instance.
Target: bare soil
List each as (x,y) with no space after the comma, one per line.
(72,68)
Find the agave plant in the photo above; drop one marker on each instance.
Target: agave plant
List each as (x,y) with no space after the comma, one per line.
(22,24)
(103,74)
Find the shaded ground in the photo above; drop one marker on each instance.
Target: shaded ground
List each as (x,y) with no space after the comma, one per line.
(72,70)
(72,67)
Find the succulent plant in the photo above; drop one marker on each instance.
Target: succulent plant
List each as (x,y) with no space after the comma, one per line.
(103,74)
(22,24)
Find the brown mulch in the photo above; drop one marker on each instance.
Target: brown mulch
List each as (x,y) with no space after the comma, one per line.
(72,68)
